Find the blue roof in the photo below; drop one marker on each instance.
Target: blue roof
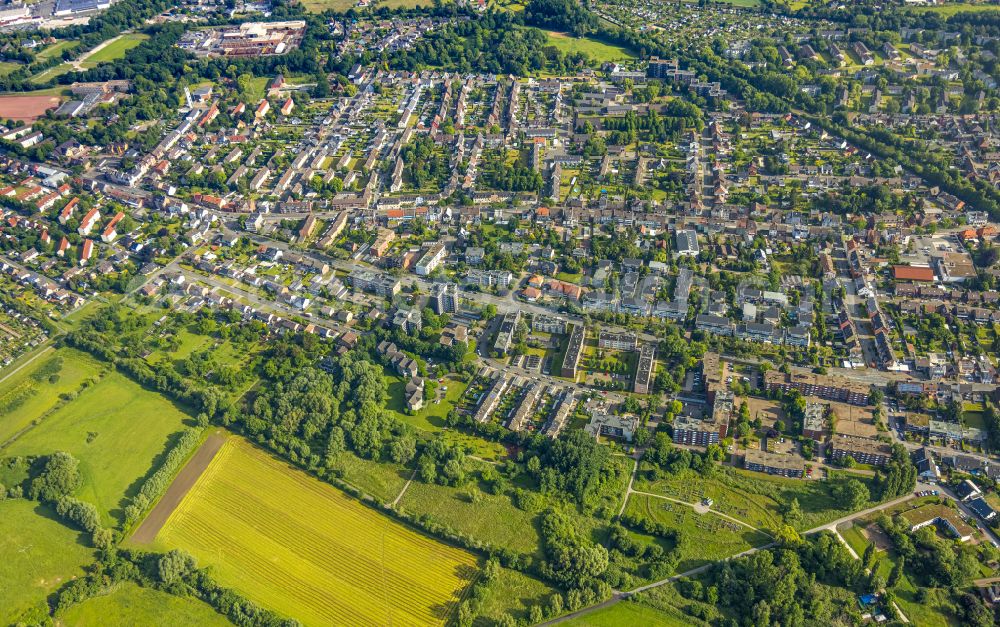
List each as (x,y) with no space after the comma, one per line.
(868,599)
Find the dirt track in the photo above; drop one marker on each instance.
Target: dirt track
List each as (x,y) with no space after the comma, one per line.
(183,482)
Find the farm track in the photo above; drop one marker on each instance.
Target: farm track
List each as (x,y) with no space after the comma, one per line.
(179,487)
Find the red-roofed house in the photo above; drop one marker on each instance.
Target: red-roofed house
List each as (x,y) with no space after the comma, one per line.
(286,109)
(88,222)
(67,211)
(110,233)
(63,246)
(913,273)
(86,251)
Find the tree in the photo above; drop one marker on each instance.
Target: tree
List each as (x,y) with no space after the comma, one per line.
(793,513)
(174,565)
(851,495)
(60,476)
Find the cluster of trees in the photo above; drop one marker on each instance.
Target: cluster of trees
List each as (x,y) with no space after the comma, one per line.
(175,572)
(778,586)
(563,15)
(570,558)
(495,43)
(157,483)
(425,164)
(667,458)
(625,552)
(54,477)
(897,477)
(499,173)
(668,124)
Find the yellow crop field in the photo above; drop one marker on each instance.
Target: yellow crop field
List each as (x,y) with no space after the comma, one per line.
(306,550)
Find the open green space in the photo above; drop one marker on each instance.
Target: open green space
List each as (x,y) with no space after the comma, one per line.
(39,554)
(114,49)
(951,8)
(630,614)
(116,429)
(703,537)
(318,6)
(430,419)
(129,605)
(511,592)
(6,67)
(383,480)
(595,49)
(754,498)
(56,49)
(36,389)
(493,519)
(52,72)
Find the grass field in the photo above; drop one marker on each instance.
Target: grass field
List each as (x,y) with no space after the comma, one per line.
(6,67)
(308,551)
(23,399)
(629,614)
(52,72)
(381,480)
(318,6)
(56,49)
(430,420)
(512,593)
(753,498)
(114,49)
(951,8)
(130,605)
(704,537)
(494,519)
(116,429)
(597,50)
(39,555)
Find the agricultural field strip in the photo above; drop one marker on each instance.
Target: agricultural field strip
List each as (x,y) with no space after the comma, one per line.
(222,496)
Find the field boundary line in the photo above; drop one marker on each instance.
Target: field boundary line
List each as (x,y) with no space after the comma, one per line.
(185,480)
(26,363)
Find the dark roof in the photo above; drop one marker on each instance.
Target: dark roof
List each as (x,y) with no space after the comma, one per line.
(980,508)
(966,489)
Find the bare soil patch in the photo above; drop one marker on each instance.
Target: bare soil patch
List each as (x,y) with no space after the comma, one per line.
(179,487)
(27,108)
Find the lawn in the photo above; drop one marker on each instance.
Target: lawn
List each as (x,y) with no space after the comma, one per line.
(704,537)
(754,498)
(130,605)
(116,429)
(306,550)
(39,555)
(628,614)
(430,420)
(52,72)
(56,49)
(596,50)
(24,397)
(6,67)
(114,49)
